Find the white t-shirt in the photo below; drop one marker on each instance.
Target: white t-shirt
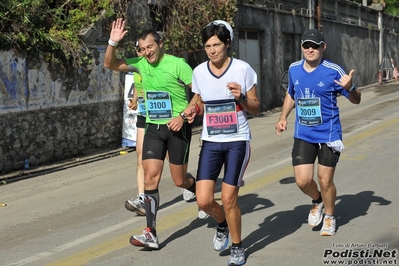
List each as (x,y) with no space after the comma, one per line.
(214,89)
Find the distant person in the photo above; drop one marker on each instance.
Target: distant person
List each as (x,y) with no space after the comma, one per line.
(225,91)
(138,102)
(167,131)
(313,86)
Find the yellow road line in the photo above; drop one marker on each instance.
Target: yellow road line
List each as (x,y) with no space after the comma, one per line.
(119,242)
(122,241)
(374,130)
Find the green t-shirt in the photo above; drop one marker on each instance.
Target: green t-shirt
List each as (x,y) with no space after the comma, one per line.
(165,94)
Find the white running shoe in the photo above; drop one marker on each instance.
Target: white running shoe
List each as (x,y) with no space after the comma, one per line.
(187,194)
(201,214)
(328,228)
(221,239)
(135,205)
(316,214)
(237,256)
(147,239)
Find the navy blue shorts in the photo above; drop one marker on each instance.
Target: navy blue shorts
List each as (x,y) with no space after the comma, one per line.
(233,155)
(158,140)
(305,153)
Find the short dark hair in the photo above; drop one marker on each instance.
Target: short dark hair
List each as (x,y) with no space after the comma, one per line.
(216,29)
(143,35)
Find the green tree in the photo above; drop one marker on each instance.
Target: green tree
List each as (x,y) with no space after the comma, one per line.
(391,6)
(184,19)
(52,28)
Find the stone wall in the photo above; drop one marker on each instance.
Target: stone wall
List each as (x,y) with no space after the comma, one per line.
(34,85)
(55,134)
(46,117)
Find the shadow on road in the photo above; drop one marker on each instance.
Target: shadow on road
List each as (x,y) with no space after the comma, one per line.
(284,223)
(275,227)
(350,207)
(248,203)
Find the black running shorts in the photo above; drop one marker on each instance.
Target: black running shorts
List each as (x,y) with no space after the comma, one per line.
(158,139)
(140,121)
(305,153)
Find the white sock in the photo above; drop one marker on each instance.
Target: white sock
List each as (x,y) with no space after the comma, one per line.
(329,216)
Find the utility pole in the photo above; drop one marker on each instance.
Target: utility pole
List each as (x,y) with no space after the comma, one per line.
(318,13)
(311,7)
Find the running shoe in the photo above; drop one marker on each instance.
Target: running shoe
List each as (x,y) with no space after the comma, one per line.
(221,239)
(201,214)
(140,208)
(328,228)
(237,256)
(187,194)
(135,205)
(316,214)
(147,239)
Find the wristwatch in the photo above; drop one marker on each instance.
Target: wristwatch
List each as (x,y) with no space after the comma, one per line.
(243,98)
(352,88)
(183,115)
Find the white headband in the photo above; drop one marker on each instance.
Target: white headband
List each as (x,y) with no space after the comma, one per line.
(227,25)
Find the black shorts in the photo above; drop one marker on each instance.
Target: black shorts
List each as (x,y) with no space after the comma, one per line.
(158,140)
(305,153)
(140,123)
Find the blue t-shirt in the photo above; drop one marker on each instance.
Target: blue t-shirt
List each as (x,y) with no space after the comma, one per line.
(315,95)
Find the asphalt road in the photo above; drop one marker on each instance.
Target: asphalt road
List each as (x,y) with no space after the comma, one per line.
(75,215)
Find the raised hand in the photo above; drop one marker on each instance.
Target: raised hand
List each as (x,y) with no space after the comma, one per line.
(346,80)
(118,30)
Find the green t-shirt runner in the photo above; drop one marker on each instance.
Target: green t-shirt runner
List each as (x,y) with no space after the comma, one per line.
(164,87)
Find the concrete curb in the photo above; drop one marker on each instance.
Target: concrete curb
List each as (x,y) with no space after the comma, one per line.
(25,174)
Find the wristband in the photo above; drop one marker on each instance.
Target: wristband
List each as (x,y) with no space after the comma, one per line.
(352,88)
(112,43)
(183,115)
(243,98)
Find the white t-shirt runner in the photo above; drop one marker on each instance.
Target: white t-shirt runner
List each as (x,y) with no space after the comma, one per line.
(224,119)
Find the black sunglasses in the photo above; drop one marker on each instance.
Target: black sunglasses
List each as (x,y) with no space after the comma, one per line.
(307,45)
